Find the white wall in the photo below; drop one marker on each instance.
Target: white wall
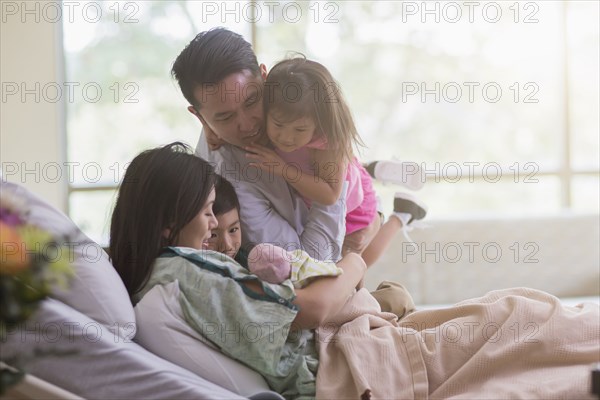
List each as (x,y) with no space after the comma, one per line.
(32,133)
(452,260)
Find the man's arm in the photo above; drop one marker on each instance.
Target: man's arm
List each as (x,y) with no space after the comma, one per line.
(320,232)
(358,241)
(325,229)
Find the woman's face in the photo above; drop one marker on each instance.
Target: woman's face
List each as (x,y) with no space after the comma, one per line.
(197,232)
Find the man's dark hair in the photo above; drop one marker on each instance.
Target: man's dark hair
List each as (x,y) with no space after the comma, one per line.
(209,58)
(226,199)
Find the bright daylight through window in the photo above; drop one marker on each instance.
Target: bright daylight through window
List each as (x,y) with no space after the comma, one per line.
(498,102)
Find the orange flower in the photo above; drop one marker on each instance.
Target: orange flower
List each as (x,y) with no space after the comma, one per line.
(13,259)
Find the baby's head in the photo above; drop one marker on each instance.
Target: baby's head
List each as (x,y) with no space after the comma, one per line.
(226,238)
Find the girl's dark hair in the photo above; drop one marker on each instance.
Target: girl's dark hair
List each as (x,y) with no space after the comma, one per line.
(209,58)
(226,199)
(297,88)
(163,188)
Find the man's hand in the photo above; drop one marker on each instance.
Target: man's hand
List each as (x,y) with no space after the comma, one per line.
(213,141)
(357,242)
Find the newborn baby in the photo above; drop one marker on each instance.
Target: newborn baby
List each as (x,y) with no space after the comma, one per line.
(274,264)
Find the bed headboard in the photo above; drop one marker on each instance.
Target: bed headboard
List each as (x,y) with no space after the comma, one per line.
(453,260)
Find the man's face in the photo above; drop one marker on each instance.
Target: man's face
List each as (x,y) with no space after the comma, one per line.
(233,108)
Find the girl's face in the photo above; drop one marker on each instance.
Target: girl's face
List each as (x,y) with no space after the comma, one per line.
(197,232)
(227,237)
(290,136)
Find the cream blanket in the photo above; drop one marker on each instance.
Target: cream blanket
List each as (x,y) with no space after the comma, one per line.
(514,343)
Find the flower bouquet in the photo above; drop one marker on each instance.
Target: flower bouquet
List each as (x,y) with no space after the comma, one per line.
(32,264)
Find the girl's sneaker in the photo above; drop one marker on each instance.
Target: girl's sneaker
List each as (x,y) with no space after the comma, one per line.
(409,210)
(407,174)
(408,204)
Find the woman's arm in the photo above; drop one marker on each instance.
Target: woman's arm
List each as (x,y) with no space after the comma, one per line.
(325,297)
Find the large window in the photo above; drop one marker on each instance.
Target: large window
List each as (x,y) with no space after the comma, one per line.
(497,100)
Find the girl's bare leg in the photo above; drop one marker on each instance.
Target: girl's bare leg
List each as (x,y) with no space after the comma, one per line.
(381,241)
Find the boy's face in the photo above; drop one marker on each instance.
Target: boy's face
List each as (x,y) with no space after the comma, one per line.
(226,238)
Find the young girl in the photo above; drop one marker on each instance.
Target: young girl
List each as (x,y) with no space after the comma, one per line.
(312,135)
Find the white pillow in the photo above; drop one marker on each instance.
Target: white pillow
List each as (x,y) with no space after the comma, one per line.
(83,357)
(161,328)
(97,289)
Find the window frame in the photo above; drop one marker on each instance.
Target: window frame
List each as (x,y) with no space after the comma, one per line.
(566,172)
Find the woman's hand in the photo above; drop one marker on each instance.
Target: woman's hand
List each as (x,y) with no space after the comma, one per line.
(322,299)
(265,159)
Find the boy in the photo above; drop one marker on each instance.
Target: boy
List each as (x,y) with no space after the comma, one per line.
(270,263)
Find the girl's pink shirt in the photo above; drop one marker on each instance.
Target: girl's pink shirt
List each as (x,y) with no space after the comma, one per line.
(301,158)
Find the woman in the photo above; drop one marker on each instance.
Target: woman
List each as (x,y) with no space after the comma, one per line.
(160,225)
(514,343)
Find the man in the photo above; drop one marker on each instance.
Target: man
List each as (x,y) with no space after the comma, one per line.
(220,77)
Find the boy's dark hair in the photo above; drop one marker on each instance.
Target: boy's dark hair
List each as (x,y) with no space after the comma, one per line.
(209,58)
(226,199)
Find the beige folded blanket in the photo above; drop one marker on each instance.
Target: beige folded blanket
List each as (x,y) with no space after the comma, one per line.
(514,343)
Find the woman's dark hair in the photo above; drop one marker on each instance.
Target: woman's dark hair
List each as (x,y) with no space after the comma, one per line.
(209,58)
(226,199)
(163,188)
(297,88)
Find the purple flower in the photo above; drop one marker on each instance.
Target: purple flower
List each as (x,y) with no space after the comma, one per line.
(9,218)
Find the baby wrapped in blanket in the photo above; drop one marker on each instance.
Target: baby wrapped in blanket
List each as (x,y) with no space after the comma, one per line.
(274,264)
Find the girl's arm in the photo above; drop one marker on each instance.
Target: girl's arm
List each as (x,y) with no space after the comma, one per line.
(325,297)
(325,187)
